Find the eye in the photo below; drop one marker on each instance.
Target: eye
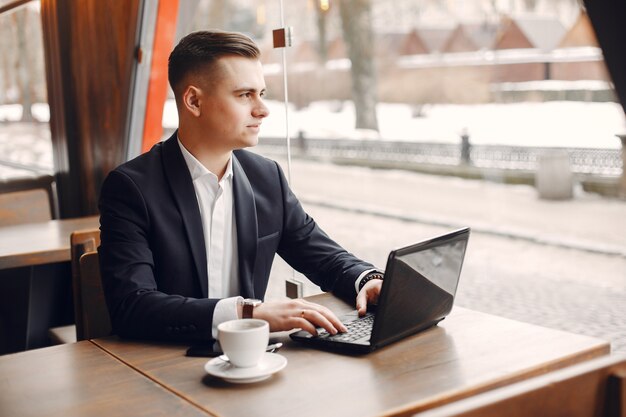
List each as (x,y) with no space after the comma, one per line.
(246,94)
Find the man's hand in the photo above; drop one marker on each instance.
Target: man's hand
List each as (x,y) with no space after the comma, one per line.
(290,314)
(368,295)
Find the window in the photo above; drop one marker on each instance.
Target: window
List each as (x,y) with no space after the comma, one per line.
(411,118)
(25,144)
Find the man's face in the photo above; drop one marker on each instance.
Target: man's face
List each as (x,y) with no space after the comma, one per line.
(232,107)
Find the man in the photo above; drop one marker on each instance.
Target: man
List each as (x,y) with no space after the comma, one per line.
(191,227)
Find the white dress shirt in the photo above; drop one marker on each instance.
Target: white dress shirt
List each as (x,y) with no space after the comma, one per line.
(216,203)
(215,200)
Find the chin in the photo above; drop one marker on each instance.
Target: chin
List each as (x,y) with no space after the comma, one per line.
(249,142)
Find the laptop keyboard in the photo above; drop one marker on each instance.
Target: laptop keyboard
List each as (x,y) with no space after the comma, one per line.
(357,329)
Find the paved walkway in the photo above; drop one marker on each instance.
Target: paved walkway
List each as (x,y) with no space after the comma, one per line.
(556,264)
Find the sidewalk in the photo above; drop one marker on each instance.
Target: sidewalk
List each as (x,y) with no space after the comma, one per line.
(588,222)
(555,264)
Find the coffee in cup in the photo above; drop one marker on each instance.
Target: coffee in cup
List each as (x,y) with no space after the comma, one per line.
(244,340)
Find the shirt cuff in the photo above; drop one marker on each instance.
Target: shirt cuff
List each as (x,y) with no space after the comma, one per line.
(358,280)
(225,310)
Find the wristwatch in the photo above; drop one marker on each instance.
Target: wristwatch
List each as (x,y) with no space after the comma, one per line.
(369,277)
(248,305)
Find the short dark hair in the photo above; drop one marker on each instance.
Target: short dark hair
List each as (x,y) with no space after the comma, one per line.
(201,49)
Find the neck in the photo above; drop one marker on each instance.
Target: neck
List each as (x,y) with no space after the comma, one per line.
(214,160)
(215,164)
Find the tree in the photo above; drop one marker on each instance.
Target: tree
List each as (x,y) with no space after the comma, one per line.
(322,18)
(6,62)
(23,65)
(356,20)
(530,5)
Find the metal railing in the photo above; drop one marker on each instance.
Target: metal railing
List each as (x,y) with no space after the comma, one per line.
(589,161)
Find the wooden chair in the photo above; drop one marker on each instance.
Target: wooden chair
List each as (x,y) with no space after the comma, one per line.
(596,388)
(95,314)
(81,242)
(27,200)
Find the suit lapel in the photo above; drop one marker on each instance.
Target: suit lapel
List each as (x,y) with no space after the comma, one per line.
(247,228)
(181,184)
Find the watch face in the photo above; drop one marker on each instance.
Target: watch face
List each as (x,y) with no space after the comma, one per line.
(252,302)
(248,306)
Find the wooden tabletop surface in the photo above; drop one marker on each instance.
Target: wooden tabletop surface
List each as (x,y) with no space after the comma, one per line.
(79,379)
(40,243)
(468,353)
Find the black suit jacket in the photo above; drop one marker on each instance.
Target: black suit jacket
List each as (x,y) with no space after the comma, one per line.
(153,255)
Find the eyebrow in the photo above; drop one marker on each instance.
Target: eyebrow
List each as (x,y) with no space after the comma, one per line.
(248,89)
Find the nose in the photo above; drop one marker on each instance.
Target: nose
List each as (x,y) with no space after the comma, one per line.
(260,110)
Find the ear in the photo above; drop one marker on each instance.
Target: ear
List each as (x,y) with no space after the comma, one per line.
(192,100)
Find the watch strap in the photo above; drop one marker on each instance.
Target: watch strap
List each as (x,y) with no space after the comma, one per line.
(247,311)
(247,307)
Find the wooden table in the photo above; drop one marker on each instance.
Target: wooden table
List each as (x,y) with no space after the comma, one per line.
(79,379)
(40,243)
(35,280)
(468,353)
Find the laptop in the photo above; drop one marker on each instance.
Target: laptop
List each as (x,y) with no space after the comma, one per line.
(417,293)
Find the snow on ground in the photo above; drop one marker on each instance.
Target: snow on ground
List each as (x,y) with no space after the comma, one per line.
(560,124)
(13,112)
(553,123)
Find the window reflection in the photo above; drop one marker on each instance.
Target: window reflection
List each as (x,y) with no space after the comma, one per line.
(440,265)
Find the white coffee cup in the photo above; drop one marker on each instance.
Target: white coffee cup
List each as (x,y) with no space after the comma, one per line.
(244,341)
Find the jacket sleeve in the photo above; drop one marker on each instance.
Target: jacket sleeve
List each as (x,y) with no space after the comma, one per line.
(308,249)
(136,306)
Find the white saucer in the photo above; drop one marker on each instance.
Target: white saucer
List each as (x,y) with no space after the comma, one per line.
(270,363)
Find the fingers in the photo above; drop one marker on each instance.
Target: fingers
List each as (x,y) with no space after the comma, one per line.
(321,316)
(368,295)
(361,302)
(311,319)
(303,324)
(287,315)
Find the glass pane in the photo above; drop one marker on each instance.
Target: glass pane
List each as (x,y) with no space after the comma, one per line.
(6,2)
(25,145)
(411,118)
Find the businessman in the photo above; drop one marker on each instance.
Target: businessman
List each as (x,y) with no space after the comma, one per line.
(189,229)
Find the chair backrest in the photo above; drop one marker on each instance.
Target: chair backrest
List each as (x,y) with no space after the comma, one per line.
(81,242)
(27,200)
(596,388)
(95,314)
(20,207)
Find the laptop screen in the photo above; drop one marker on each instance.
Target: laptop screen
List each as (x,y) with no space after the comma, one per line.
(423,281)
(440,265)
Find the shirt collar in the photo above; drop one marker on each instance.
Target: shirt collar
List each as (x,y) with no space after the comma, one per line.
(197,170)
